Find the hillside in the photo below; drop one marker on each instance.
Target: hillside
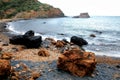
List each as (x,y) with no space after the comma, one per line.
(27,9)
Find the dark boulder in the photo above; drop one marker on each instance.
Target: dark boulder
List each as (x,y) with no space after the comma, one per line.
(19,39)
(33,42)
(78,41)
(29,33)
(28,39)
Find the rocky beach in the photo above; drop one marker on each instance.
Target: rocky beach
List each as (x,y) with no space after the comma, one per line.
(28,64)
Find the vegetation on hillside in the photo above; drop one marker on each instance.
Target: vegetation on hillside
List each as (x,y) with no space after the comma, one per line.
(9,8)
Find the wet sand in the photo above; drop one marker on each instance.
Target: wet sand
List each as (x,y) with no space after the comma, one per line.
(108,68)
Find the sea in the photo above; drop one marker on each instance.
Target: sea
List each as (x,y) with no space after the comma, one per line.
(105,28)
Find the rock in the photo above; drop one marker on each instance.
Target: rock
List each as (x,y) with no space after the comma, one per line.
(6,56)
(60,43)
(29,33)
(28,39)
(19,39)
(33,42)
(84,15)
(1,49)
(78,41)
(43,52)
(118,66)
(51,40)
(35,75)
(92,35)
(77,62)
(5,68)
(65,41)
(5,44)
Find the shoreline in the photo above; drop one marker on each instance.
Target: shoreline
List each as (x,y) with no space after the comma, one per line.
(106,68)
(5,37)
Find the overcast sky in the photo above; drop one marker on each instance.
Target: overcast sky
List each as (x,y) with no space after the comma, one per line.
(93,7)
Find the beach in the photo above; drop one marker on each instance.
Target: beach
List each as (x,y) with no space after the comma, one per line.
(107,68)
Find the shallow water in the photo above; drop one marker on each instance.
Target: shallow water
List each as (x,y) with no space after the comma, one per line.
(106,29)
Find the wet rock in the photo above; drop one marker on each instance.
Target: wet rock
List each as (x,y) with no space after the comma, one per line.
(78,41)
(29,33)
(51,40)
(6,56)
(60,43)
(118,66)
(43,52)
(28,39)
(77,62)
(65,41)
(92,35)
(33,42)
(5,68)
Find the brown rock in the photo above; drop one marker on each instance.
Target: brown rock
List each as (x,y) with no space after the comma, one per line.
(77,62)
(0,49)
(35,75)
(43,52)
(60,43)
(6,56)
(52,40)
(14,78)
(5,68)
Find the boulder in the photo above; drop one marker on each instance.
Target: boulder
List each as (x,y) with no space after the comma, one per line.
(19,39)
(29,33)
(84,15)
(33,42)
(77,62)
(28,39)
(6,56)
(43,52)
(78,41)
(5,68)
(60,43)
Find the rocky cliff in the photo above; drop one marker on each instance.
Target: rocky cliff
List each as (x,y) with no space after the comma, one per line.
(27,9)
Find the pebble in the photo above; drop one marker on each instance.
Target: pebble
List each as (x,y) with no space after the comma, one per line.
(17,65)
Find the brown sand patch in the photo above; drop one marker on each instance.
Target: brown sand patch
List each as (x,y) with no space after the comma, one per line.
(108,60)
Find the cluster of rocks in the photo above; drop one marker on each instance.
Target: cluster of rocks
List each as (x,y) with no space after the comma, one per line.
(72,59)
(28,39)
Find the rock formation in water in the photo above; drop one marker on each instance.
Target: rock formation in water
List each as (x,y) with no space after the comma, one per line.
(27,9)
(82,15)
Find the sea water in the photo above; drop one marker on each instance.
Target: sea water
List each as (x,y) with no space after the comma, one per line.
(105,28)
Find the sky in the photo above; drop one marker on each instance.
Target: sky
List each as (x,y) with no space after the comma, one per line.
(93,7)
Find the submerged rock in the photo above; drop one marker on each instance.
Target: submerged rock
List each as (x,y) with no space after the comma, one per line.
(82,15)
(77,62)
(78,41)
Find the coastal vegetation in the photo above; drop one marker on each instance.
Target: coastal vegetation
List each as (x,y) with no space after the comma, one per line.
(27,9)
